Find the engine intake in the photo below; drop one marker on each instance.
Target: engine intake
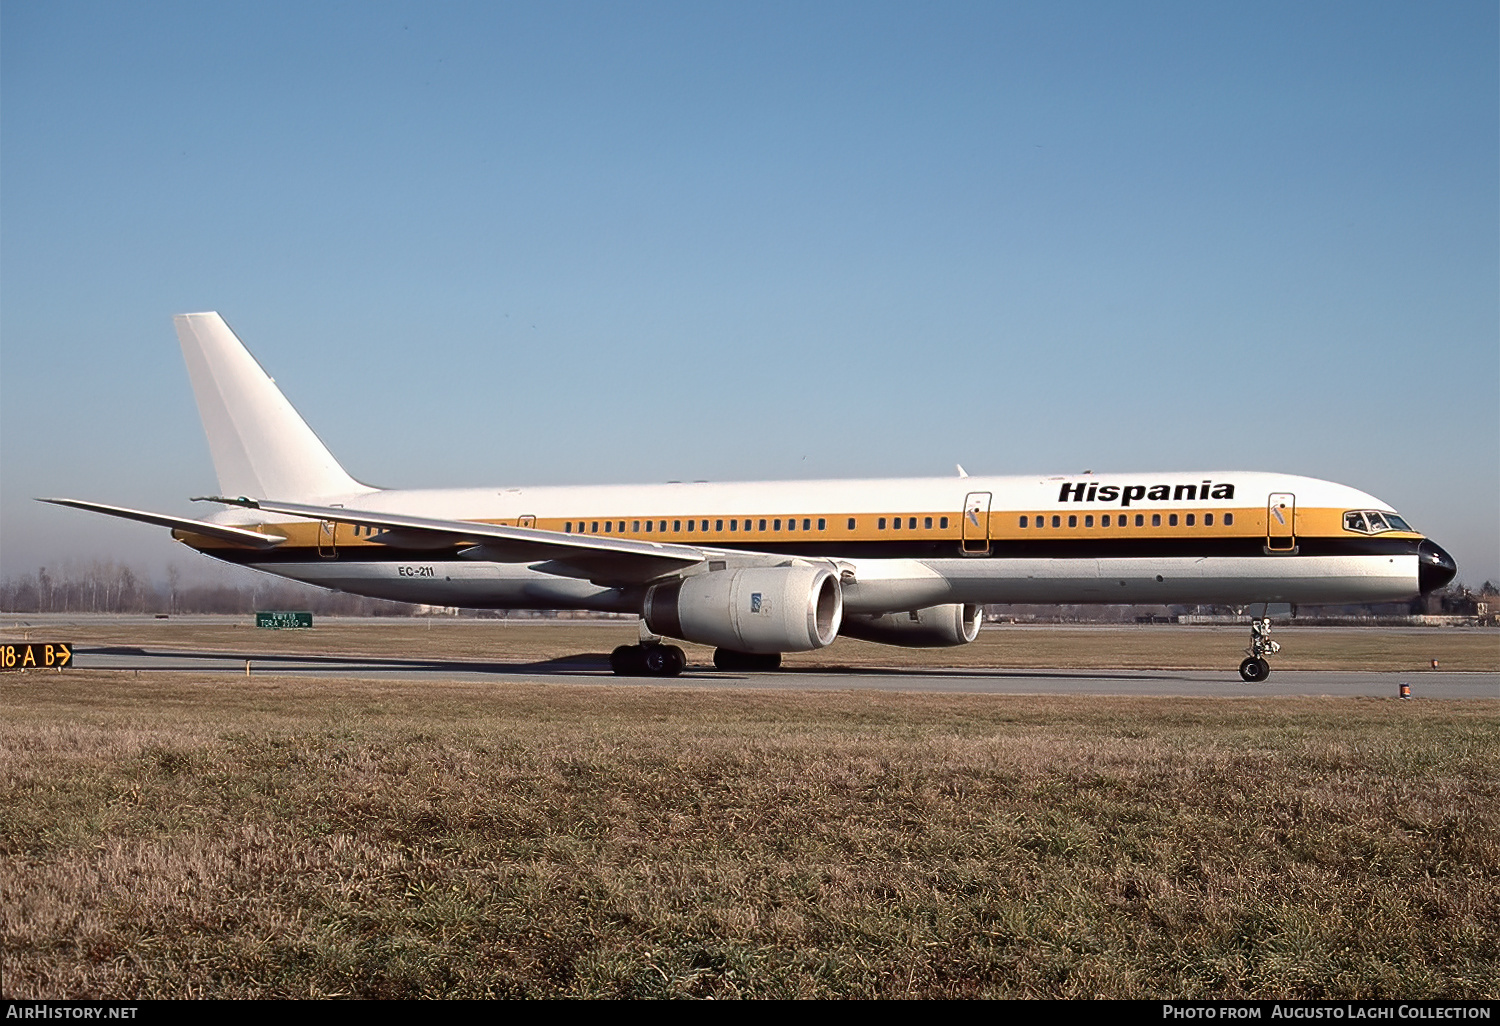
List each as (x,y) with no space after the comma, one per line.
(770,609)
(942,626)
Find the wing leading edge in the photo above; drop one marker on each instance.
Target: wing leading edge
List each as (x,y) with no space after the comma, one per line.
(606,561)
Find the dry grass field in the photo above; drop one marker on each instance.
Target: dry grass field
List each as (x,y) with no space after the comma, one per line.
(170,836)
(1090,647)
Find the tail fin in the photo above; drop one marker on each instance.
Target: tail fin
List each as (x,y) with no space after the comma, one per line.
(260,446)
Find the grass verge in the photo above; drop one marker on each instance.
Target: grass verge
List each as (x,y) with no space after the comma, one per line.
(165,837)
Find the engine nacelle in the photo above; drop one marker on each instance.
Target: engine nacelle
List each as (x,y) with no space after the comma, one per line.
(944,626)
(770,609)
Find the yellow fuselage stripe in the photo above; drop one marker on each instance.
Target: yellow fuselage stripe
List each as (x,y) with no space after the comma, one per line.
(1247,522)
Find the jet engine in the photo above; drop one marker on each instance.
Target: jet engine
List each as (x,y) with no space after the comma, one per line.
(944,626)
(762,610)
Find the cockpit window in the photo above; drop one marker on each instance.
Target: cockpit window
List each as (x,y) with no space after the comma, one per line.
(1369,521)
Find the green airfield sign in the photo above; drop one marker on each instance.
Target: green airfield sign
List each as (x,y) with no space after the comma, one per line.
(279,621)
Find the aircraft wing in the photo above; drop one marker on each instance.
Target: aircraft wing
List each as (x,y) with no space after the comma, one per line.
(605,560)
(237,535)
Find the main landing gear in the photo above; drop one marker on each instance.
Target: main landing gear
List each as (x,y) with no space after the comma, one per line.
(1256,669)
(729,659)
(647,659)
(654,659)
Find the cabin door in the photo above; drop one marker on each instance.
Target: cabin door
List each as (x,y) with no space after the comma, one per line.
(976,524)
(328,536)
(1281,522)
(328,532)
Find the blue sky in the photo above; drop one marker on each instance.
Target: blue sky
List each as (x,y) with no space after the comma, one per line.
(558,243)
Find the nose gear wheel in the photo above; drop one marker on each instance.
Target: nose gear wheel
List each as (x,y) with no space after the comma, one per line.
(1256,668)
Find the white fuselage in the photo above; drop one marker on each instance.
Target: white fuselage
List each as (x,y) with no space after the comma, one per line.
(1171,556)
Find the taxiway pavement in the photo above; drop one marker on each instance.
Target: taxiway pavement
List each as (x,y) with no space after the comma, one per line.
(584,669)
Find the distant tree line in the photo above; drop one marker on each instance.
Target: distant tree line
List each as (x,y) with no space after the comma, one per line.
(1456,599)
(110,587)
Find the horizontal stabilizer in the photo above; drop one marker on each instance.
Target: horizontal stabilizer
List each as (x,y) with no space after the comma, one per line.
(236,535)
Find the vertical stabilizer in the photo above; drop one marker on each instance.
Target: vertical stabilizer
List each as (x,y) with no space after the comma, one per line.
(261,447)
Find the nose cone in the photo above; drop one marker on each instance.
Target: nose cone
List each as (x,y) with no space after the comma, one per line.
(1435,568)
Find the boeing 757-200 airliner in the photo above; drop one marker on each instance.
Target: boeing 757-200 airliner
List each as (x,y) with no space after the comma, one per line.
(761,568)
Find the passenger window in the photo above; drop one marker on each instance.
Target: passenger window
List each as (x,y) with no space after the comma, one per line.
(943,523)
(703,525)
(635,526)
(807,523)
(911,523)
(1073,520)
(822,523)
(791,523)
(1041,521)
(1104,520)
(1023,521)
(1140,520)
(1192,518)
(622,527)
(880,524)
(1057,521)
(762,524)
(1156,520)
(926,523)
(896,523)
(661,525)
(1208,520)
(851,523)
(594,527)
(1088,521)
(1172,520)
(606,527)
(1228,519)
(568,527)
(733,524)
(676,526)
(776,524)
(718,525)
(648,527)
(690,527)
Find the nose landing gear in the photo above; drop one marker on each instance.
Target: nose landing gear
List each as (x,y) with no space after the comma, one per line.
(1256,669)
